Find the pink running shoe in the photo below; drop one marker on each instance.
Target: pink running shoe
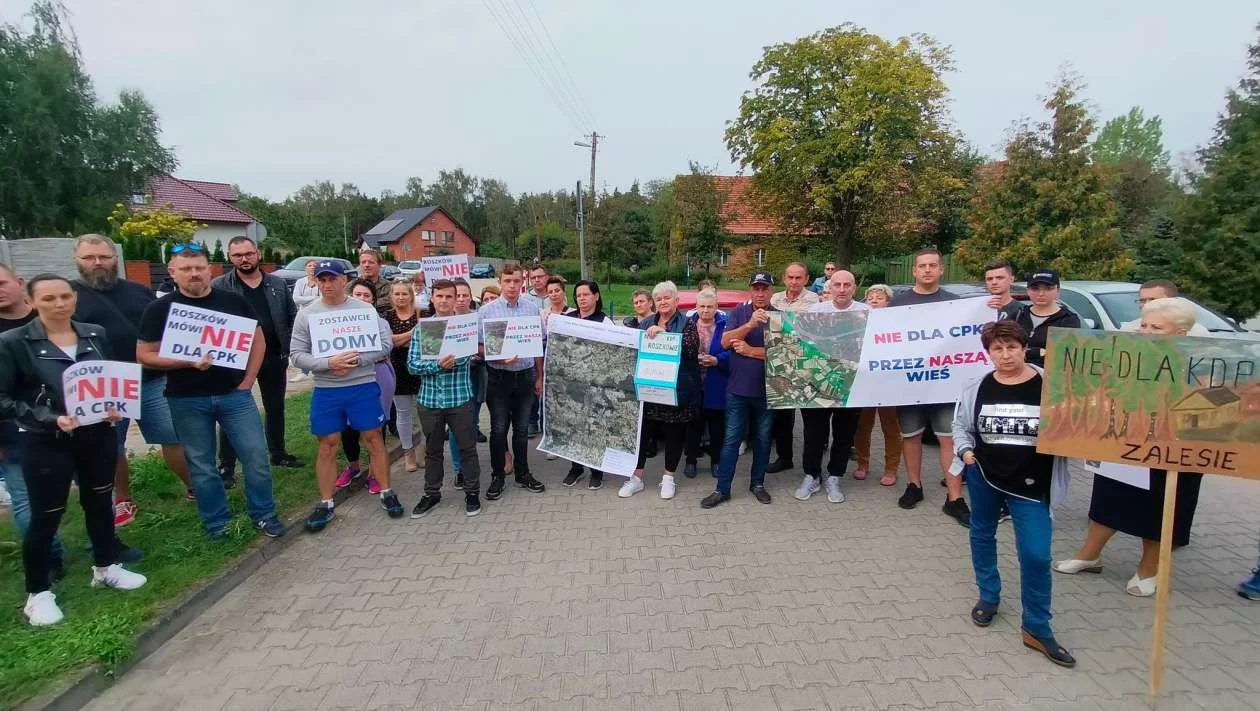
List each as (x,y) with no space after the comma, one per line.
(347,475)
(374,487)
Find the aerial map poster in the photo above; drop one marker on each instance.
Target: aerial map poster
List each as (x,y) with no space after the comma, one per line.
(591,414)
(1165,402)
(812,358)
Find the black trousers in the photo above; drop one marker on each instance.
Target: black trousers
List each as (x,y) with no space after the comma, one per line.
(781,432)
(49,463)
(675,436)
(840,424)
(436,423)
(273,385)
(510,396)
(714,421)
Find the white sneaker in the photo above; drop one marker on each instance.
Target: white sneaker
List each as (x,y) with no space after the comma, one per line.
(834,495)
(117,577)
(632,486)
(668,488)
(808,486)
(41,609)
(743,448)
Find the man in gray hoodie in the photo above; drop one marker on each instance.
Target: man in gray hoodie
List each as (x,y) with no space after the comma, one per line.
(346,390)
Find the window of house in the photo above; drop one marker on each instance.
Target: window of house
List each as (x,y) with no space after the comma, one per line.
(448,237)
(428,235)
(761,256)
(724,258)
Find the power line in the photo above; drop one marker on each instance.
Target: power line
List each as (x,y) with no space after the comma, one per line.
(534,45)
(558,59)
(569,113)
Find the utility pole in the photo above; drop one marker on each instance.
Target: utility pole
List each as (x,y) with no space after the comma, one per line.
(345,234)
(581,221)
(594,146)
(537,237)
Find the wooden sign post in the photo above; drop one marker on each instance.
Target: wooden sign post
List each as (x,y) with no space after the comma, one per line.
(1163,584)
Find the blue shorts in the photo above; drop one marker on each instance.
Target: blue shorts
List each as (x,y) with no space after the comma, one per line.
(357,405)
(155,417)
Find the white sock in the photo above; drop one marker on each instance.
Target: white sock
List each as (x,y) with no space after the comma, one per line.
(329,503)
(386,491)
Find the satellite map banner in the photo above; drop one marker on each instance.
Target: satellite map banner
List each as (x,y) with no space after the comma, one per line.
(1163,402)
(591,415)
(902,355)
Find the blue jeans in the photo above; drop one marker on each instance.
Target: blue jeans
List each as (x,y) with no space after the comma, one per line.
(456,462)
(11,468)
(236,413)
(740,411)
(1033,530)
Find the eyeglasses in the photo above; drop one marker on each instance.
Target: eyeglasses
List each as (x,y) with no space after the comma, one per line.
(186,246)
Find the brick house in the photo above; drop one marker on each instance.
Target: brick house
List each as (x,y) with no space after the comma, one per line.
(417,232)
(756,241)
(211,204)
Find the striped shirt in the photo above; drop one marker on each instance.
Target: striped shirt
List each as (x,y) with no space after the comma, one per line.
(439,388)
(500,308)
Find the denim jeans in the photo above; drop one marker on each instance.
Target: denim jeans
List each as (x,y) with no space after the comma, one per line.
(740,411)
(510,395)
(1033,530)
(272,385)
(236,413)
(15,480)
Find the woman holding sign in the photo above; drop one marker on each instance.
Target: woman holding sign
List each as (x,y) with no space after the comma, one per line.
(675,421)
(56,449)
(995,431)
(1117,506)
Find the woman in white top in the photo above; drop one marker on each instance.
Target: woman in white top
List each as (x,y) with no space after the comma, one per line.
(306,290)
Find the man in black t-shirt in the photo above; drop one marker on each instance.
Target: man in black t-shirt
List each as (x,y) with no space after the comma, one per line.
(117,305)
(269,297)
(203,395)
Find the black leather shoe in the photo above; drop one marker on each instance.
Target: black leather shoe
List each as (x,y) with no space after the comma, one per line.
(779,465)
(714,499)
(760,493)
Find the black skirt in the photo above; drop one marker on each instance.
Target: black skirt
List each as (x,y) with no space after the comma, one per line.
(1139,512)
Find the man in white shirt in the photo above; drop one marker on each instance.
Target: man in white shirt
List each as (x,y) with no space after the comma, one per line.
(838,423)
(798,299)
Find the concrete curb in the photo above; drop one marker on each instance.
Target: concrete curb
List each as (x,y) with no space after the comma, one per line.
(93,680)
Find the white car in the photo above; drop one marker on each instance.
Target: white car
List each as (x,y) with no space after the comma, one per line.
(409,268)
(1107,304)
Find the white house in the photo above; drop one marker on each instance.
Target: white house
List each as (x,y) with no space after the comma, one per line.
(212,204)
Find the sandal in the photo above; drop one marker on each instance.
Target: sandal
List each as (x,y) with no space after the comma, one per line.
(1054,651)
(1141,587)
(859,474)
(983,613)
(888,480)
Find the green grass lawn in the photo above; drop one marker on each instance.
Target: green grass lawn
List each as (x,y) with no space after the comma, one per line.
(102,625)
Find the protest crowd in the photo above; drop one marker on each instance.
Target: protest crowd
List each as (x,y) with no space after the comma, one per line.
(375,350)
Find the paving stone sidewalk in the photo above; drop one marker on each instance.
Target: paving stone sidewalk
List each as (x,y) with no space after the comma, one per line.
(575,599)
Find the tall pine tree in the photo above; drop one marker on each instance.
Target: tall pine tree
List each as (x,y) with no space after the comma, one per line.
(1047,204)
(1218,225)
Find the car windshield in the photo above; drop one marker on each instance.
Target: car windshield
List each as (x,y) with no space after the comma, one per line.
(409,265)
(298,264)
(1122,307)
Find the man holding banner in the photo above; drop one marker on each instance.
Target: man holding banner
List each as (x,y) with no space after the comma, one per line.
(212,347)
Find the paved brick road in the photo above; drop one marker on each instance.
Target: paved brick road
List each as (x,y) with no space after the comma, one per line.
(579,600)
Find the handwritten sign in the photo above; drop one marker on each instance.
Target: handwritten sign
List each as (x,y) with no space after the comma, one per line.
(344,331)
(447,266)
(454,336)
(656,369)
(192,333)
(512,337)
(92,386)
(1163,402)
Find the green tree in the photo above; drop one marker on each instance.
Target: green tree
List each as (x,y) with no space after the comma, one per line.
(66,159)
(1047,204)
(1132,137)
(1131,148)
(1218,223)
(841,121)
(700,217)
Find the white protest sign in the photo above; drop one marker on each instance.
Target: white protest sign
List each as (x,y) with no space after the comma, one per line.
(92,386)
(512,337)
(454,336)
(192,333)
(1139,477)
(353,330)
(447,266)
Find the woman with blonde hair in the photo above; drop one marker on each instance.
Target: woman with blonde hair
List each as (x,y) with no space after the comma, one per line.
(878,296)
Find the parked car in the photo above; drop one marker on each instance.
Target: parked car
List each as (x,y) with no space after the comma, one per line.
(296,269)
(389,272)
(409,268)
(727,299)
(1108,304)
(481,270)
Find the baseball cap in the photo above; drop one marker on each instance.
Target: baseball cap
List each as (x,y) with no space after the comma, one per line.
(761,278)
(329,266)
(1044,276)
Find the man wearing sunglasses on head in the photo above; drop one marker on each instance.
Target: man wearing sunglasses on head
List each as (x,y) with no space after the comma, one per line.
(203,395)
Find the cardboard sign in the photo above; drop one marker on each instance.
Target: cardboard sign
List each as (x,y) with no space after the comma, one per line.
(1163,402)
(447,266)
(92,386)
(454,336)
(656,369)
(344,331)
(192,333)
(512,337)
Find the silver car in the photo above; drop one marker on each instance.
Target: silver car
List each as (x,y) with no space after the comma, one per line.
(1108,304)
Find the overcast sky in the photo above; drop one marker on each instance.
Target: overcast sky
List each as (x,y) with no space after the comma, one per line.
(274,94)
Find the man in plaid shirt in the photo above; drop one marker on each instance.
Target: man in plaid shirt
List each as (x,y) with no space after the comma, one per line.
(446,401)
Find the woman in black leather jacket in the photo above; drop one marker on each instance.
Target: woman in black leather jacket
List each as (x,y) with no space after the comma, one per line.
(54,448)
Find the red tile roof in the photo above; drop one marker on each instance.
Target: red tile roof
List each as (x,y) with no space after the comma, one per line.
(742,216)
(199,200)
